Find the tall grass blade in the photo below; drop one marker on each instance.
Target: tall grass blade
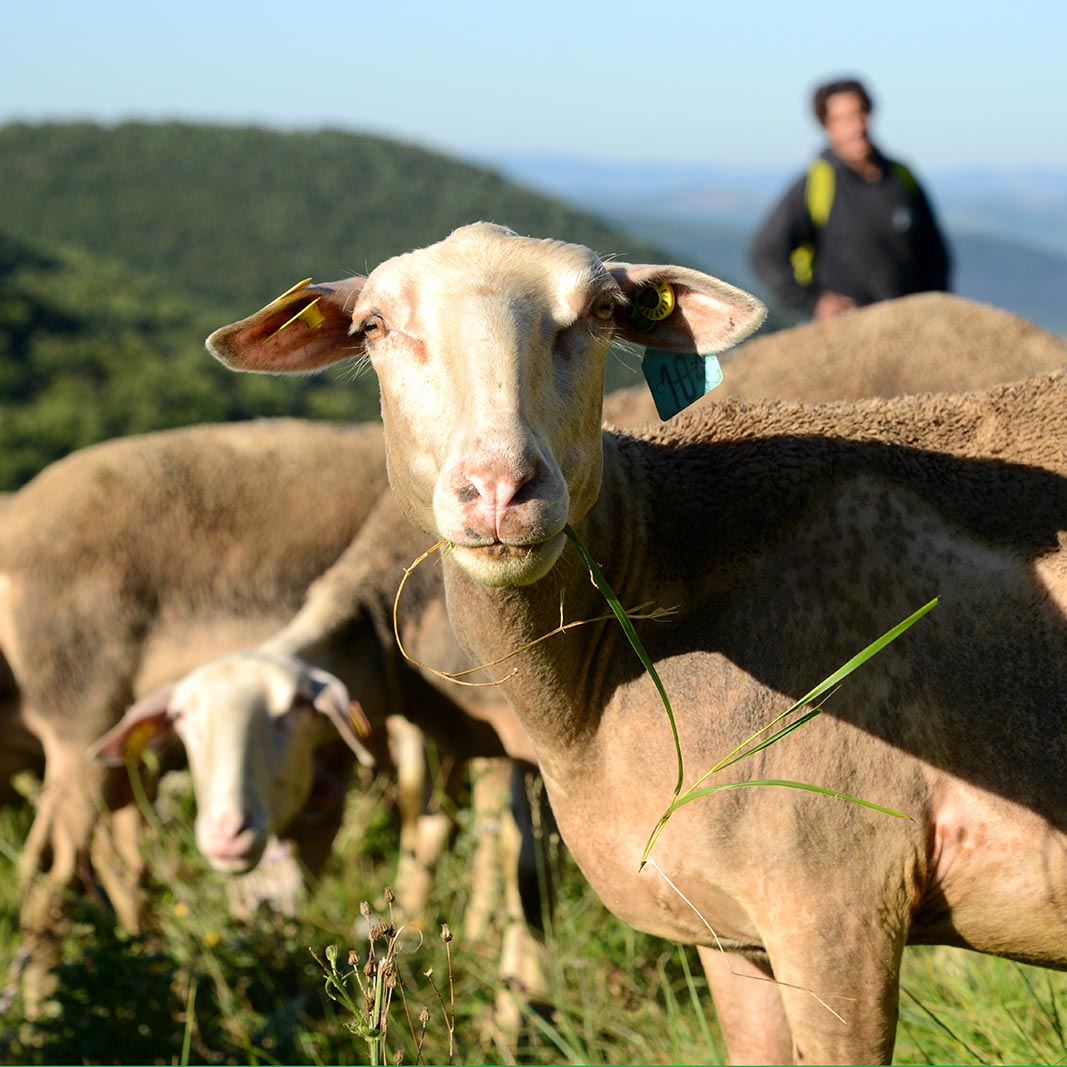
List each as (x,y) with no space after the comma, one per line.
(739,754)
(829,683)
(978,1057)
(694,998)
(822,690)
(785,783)
(631,635)
(190,1015)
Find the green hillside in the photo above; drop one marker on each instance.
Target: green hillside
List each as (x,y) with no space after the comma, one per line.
(90,350)
(122,247)
(237,215)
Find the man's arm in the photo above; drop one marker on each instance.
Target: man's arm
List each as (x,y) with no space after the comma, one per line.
(784,229)
(934,259)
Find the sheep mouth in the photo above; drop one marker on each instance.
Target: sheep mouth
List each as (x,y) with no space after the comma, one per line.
(501,550)
(238,855)
(500,563)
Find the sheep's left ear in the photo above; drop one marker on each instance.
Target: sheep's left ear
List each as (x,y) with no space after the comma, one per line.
(681,310)
(328,695)
(303,330)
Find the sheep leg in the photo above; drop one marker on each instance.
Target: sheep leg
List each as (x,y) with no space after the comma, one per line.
(56,852)
(839,982)
(749,1008)
(490,791)
(117,861)
(73,827)
(54,859)
(408,752)
(523,972)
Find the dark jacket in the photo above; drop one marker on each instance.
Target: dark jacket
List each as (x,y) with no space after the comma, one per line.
(880,240)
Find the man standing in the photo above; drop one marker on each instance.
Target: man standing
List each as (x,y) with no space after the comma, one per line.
(856,228)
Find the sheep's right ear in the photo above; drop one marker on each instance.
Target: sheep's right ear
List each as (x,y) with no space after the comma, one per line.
(146,724)
(303,330)
(696,313)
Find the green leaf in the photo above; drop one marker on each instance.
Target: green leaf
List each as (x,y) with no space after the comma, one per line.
(741,751)
(620,613)
(708,790)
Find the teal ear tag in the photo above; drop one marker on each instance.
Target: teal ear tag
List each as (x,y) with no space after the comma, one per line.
(676,381)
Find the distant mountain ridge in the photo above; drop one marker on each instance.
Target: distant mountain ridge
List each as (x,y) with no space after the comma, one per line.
(1027,204)
(1007,229)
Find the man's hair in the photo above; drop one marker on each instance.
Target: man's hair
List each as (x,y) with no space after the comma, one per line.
(841,85)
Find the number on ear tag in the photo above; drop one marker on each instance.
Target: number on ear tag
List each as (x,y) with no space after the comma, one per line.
(676,381)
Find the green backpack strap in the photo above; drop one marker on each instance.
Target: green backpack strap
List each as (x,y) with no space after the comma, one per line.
(819,192)
(818,198)
(905,177)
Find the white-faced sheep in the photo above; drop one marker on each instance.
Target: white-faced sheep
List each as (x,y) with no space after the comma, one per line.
(125,565)
(785,538)
(242,721)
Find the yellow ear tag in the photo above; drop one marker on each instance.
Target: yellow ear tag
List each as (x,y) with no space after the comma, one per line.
(137,741)
(288,293)
(652,304)
(358,718)
(310,315)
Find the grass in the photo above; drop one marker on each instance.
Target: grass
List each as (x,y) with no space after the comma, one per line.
(197,987)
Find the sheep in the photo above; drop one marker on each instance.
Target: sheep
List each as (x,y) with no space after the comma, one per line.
(785,538)
(927,342)
(239,719)
(126,564)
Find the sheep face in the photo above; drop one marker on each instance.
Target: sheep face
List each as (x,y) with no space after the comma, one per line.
(504,342)
(490,352)
(251,724)
(250,738)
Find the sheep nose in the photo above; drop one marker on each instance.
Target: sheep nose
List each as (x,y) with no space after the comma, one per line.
(231,824)
(491,495)
(224,829)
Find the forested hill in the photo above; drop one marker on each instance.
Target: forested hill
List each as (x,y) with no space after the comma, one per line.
(236,215)
(122,247)
(90,349)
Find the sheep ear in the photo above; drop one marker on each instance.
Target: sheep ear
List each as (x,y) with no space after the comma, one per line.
(303,330)
(680,310)
(328,695)
(146,724)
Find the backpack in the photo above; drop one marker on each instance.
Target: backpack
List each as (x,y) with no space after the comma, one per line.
(819,198)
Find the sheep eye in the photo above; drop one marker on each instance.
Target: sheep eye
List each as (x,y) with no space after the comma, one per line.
(603,308)
(373,328)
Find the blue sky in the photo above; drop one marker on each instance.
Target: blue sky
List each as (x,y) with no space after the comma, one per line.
(956,83)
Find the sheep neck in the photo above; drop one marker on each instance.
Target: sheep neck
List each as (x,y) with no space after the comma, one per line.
(560,686)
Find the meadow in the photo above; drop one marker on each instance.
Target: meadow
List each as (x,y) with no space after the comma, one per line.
(199,987)
(111,273)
